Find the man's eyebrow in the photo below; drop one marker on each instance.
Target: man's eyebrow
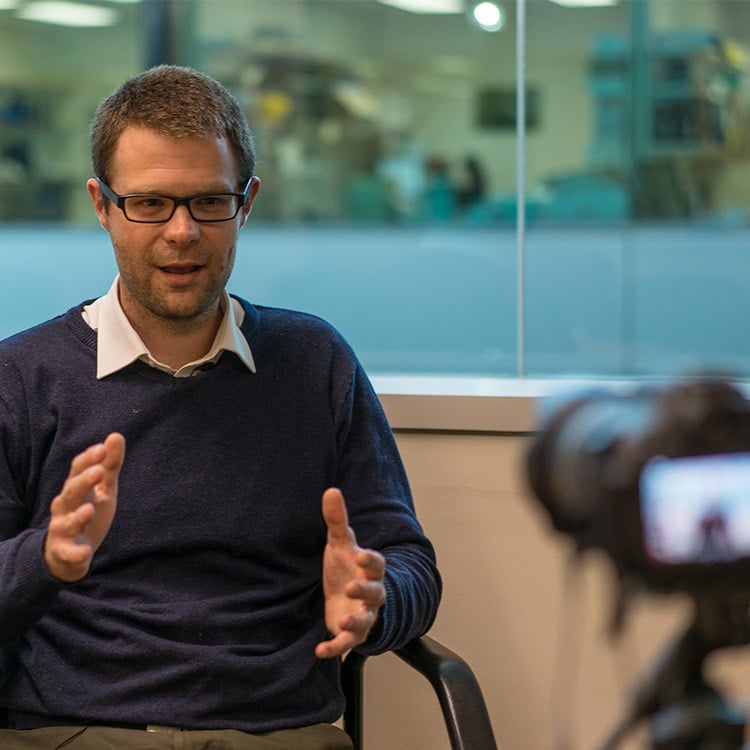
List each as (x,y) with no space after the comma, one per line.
(214,190)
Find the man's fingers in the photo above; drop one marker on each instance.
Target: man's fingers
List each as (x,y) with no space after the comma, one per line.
(371,563)
(336,517)
(97,465)
(114,446)
(371,592)
(74,554)
(335,647)
(72,524)
(353,631)
(110,454)
(76,488)
(92,455)
(71,561)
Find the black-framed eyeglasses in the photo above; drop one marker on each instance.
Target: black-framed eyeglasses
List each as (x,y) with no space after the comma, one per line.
(150,208)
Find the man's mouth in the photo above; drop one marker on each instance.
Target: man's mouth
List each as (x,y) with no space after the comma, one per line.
(179,275)
(181,268)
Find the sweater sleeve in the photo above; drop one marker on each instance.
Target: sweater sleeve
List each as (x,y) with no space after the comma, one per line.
(382,514)
(26,587)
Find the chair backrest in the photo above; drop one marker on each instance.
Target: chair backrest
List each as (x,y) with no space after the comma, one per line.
(461,700)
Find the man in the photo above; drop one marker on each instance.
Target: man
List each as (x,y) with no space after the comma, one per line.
(197,588)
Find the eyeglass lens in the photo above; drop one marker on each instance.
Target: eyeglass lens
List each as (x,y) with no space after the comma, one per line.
(156,208)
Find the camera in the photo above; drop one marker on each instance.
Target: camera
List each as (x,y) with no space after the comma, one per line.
(657,476)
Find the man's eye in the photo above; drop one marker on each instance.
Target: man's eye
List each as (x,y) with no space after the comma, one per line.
(211,201)
(151,201)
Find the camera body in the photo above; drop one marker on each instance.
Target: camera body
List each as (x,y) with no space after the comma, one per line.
(657,477)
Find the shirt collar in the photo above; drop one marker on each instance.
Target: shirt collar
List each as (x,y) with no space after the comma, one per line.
(118,345)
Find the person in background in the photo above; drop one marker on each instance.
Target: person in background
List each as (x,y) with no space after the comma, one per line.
(472,185)
(198,587)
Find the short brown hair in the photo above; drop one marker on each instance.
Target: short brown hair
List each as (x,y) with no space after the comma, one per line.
(177,102)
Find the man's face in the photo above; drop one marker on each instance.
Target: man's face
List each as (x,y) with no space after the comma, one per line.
(172,272)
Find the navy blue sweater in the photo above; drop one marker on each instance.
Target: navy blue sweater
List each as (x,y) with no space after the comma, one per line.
(204,603)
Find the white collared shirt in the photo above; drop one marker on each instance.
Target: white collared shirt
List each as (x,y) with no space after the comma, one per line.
(118,345)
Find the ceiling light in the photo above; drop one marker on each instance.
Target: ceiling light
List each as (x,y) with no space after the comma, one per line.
(426,6)
(68,14)
(585,3)
(489,16)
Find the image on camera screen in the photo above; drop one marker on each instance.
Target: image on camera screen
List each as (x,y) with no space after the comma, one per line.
(696,510)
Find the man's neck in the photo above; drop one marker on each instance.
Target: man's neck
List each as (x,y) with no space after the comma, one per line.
(177,342)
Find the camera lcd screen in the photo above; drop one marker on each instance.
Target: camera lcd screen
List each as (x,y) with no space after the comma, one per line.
(696,510)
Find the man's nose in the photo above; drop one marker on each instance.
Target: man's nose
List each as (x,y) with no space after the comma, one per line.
(182,225)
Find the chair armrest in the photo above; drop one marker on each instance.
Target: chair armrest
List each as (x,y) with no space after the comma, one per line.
(352,683)
(461,700)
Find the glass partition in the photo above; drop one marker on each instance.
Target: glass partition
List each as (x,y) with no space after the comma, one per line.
(384,138)
(388,155)
(54,70)
(638,189)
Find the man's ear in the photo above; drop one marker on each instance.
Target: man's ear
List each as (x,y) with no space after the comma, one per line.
(99,201)
(251,195)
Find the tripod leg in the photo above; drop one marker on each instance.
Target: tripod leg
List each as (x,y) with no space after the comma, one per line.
(702,721)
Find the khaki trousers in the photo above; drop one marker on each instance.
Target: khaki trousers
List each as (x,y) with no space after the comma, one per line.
(316,737)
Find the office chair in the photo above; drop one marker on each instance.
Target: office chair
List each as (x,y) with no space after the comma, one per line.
(457,689)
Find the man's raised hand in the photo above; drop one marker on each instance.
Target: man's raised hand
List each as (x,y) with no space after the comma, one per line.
(352,582)
(81,515)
